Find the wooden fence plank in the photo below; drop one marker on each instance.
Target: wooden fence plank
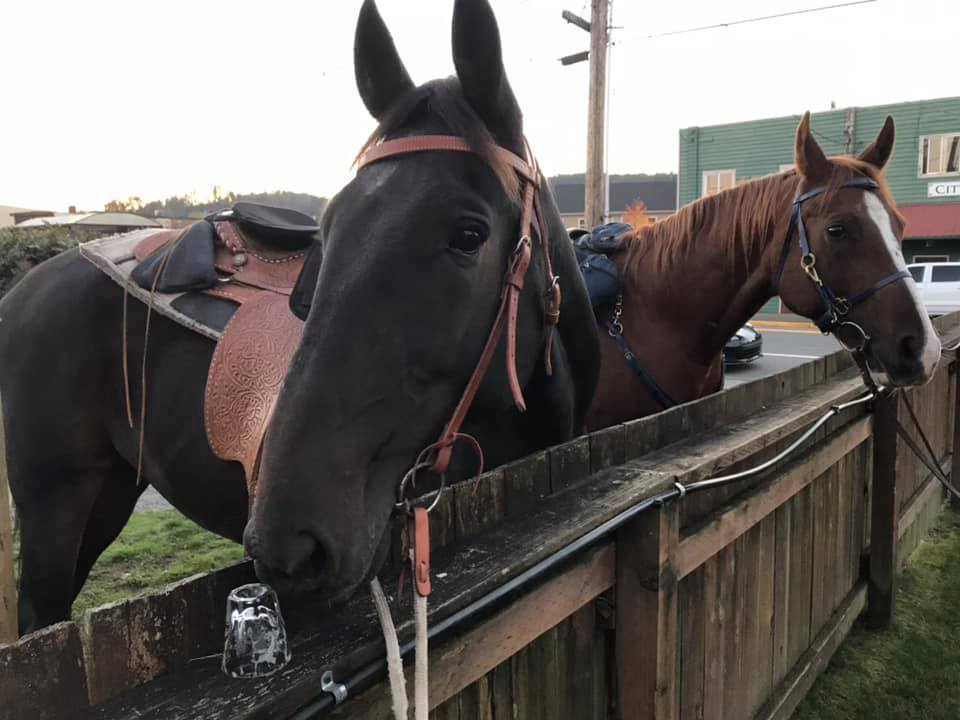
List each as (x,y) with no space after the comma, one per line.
(526,481)
(714,671)
(761,671)
(884,513)
(585,697)
(760,502)
(920,501)
(647,616)
(463,661)
(792,690)
(781,590)
(479,505)
(133,641)
(692,658)
(819,549)
(733,630)
(801,575)
(607,448)
(8,582)
(569,463)
(43,675)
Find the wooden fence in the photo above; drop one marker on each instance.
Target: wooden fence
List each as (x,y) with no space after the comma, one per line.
(725,604)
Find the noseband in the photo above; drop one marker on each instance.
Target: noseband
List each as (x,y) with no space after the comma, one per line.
(436,457)
(835,307)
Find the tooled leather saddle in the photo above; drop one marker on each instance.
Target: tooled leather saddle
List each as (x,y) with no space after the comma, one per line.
(229,277)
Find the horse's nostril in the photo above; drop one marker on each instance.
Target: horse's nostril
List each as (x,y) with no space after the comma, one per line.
(910,347)
(304,555)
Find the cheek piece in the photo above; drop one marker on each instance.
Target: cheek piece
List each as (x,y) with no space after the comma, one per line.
(835,306)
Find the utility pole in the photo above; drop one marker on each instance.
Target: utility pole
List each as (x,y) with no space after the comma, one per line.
(594,203)
(596,181)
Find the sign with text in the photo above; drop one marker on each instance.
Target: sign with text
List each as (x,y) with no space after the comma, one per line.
(944,188)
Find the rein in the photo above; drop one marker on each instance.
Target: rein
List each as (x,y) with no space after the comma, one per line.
(835,307)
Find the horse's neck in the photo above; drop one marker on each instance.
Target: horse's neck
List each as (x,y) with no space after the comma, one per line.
(720,276)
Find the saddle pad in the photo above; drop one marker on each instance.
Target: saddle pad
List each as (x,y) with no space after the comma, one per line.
(114,255)
(245,376)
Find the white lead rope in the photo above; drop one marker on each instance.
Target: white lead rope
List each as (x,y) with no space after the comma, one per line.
(421,684)
(398,683)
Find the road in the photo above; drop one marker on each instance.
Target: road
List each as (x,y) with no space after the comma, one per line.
(784,346)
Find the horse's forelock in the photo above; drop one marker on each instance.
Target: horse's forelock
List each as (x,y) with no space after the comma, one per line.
(845,168)
(440,105)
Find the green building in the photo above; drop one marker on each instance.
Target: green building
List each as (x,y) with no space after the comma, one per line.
(924,172)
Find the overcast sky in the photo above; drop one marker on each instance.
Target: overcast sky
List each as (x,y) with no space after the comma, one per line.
(106,99)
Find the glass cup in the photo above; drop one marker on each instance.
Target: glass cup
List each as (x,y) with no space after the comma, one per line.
(255,641)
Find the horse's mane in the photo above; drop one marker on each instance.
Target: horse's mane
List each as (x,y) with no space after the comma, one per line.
(439,107)
(748,214)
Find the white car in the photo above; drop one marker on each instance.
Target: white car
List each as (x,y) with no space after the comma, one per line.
(939,284)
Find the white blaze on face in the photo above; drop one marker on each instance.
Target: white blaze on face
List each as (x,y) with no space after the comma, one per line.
(930,355)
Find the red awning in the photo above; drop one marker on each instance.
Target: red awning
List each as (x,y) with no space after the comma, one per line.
(931,221)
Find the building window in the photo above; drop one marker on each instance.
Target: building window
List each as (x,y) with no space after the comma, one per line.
(930,258)
(715,181)
(940,155)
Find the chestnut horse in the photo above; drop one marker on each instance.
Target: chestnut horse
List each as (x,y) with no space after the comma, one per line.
(690,281)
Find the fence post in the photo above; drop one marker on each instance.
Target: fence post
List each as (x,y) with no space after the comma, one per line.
(885,512)
(648,680)
(8,586)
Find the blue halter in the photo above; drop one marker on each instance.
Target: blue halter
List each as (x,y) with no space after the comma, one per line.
(836,307)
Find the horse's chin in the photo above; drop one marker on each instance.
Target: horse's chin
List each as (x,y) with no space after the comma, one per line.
(899,378)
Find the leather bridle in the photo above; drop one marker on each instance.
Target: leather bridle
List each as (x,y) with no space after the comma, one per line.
(435,458)
(835,307)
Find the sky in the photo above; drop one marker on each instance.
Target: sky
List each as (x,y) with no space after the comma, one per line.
(105,99)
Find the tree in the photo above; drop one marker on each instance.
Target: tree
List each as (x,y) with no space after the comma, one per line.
(131,204)
(637,215)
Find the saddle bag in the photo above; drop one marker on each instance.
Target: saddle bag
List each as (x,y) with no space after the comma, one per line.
(601,277)
(600,273)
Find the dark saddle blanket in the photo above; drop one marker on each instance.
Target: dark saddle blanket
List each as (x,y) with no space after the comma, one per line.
(600,274)
(228,277)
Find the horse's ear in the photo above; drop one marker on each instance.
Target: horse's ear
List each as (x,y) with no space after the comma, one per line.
(810,160)
(381,76)
(881,149)
(479,61)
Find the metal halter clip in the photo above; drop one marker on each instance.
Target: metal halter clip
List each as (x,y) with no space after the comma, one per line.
(841,306)
(616,319)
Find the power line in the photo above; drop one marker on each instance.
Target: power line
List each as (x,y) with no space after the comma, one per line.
(758,19)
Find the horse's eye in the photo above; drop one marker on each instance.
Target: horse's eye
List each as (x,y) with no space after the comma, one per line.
(468,237)
(836,231)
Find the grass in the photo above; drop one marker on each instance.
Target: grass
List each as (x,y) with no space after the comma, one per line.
(912,670)
(154,549)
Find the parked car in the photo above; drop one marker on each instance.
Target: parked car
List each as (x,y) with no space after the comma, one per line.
(744,347)
(939,284)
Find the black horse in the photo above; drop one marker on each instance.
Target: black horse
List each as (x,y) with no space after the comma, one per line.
(414,251)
